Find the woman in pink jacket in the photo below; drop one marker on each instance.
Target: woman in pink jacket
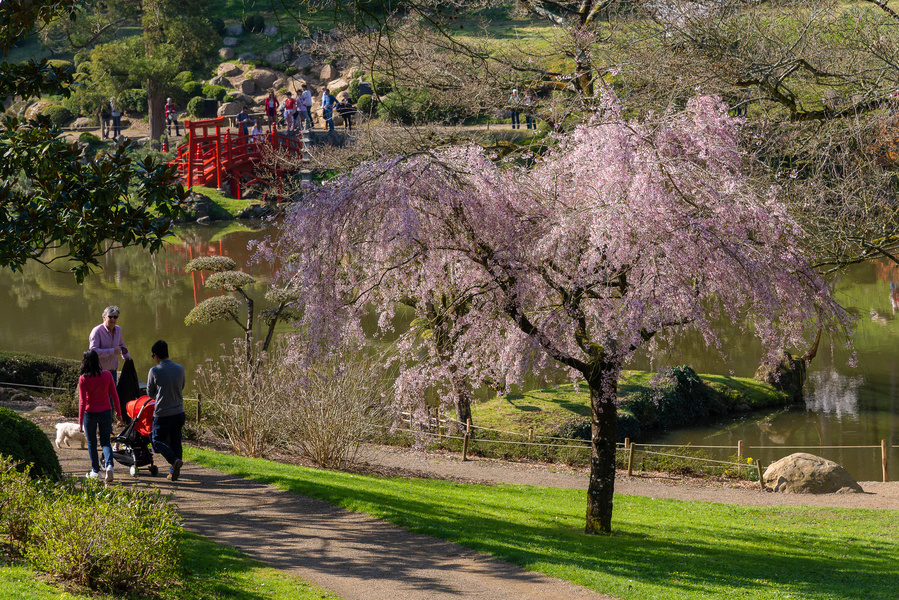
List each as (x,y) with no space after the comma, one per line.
(95,390)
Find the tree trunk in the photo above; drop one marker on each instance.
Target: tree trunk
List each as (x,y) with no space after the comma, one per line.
(462,390)
(156,110)
(604,422)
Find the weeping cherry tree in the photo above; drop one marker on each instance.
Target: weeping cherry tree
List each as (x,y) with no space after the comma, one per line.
(625,232)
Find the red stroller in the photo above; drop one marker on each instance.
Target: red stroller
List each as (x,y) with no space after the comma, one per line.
(132,447)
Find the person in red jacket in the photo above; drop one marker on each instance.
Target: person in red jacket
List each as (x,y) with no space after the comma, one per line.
(271,108)
(171,116)
(95,390)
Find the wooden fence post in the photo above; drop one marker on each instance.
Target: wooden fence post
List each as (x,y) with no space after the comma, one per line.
(465,440)
(630,460)
(438,420)
(199,415)
(740,449)
(884,460)
(758,468)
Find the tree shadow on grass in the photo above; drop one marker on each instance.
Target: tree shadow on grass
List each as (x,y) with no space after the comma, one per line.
(719,551)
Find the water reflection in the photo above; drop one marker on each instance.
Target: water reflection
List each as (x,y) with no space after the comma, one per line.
(834,393)
(45,312)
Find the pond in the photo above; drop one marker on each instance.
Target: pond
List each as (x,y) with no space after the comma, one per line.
(46,312)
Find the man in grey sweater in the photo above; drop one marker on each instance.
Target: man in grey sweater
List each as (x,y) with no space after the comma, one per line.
(165,384)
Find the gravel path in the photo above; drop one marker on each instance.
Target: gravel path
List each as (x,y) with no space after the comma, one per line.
(358,557)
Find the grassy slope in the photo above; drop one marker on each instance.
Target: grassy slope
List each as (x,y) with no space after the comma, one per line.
(661,549)
(548,409)
(210,571)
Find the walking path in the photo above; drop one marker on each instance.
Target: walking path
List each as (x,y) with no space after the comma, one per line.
(351,554)
(358,557)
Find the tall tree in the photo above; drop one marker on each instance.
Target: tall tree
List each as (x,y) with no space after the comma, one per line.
(50,197)
(626,232)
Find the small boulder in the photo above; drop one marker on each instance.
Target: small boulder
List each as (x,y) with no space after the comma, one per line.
(83,123)
(365,88)
(228,70)
(803,473)
(247,86)
(247,56)
(234,30)
(338,85)
(229,109)
(328,73)
(271,30)
(263,78)
(243,99)
(219,80)
(302,61)
(35,109)
(230,42)
(279,56)
(226,53)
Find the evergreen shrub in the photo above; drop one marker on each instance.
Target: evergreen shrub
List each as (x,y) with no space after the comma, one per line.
(289,71)
(25,443)
(29,369)
(195,106)
(59,115)
(218,25)
(192,89)
(89,138)
(353,91)
(365,104)
(215,91)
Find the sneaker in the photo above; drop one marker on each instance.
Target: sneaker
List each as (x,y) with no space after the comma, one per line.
(176,469)
(92,475)
(109,475)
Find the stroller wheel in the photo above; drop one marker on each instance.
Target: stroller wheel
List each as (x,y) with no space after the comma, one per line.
(133,471)
(154,470)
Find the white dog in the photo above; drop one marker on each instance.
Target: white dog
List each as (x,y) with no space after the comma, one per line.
(69,431)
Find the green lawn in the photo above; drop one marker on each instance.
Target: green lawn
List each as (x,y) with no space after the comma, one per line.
(211,571)
(548,409)
(660,548)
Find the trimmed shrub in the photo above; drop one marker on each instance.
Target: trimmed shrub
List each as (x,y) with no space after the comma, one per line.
(25,443)
(134,100)
(353,91)
(112,540)
(195,106)
(89,138)
(365,104)
(215,91)
(59,115)
(30,369)
(254,23)
(182,78)
(192,89)
(218,25)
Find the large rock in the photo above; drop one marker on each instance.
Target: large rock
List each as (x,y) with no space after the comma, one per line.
(35,109)
(229,109)
(84,123)
(228,70)
(243,99)
(328,73)
(279,56)
(271,30)
(219,80)
(803,473)
(247,86)
(234,30)
(365,88)
(230,42)
(247,56)
(226,53)
(787,375)
(263,78)
(338,85)
(302,61)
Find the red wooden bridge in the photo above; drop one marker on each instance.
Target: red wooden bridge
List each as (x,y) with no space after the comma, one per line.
(213,155)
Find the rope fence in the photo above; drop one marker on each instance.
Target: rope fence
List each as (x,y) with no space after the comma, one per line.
(437,423)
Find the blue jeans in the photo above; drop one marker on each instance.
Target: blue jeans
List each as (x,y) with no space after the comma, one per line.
(103,422)
(328,114)
(516,124)
(167,436)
